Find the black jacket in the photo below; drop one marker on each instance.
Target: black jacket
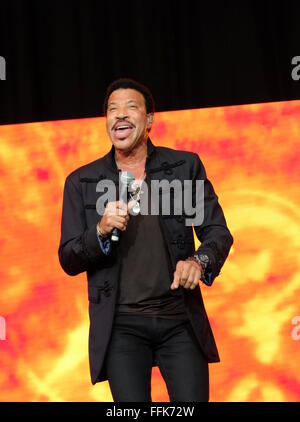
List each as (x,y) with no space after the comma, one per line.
(79,248)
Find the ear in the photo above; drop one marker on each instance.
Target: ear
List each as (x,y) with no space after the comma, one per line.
(150,120)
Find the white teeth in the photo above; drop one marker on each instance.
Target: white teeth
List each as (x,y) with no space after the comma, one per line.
(123,127)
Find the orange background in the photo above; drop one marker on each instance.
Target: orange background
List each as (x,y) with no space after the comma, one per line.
(251,154)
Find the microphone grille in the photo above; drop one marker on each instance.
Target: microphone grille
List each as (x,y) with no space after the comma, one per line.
(126,178)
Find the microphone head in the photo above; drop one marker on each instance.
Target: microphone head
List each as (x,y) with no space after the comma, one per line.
(126,178)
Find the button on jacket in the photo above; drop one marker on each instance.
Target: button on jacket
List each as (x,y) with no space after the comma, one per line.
(79,249)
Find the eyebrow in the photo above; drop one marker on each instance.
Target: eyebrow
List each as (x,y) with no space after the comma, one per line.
(128,101)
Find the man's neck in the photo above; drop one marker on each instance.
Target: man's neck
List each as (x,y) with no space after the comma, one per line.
(133,160)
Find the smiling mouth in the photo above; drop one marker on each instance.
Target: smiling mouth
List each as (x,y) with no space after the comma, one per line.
(120,126)
(123,128)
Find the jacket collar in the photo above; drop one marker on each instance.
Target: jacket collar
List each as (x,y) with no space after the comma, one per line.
(109,158)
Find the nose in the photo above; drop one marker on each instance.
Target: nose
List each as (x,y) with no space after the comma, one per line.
(122,113)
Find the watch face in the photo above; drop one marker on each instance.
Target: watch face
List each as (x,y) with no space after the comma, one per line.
(204,258)
(204,261)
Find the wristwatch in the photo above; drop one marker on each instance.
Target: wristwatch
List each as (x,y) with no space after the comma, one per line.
(203,260)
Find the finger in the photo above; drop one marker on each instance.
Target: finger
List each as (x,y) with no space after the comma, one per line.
(177,275)
(189,282)
(196,279)
(176,280)
(178,271)
(122,208)
(179,266)
(114,208)
(117,219)
(110,208)
(123,221)
(185,274)
(191,279)
(120,226)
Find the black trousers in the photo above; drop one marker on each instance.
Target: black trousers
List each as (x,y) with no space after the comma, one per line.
(138,341)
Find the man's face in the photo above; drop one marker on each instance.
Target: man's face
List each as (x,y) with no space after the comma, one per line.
(127,122)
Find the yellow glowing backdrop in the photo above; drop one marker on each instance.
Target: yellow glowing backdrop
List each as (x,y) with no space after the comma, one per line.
(251,154)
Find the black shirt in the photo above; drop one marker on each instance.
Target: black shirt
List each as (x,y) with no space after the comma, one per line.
(146,272)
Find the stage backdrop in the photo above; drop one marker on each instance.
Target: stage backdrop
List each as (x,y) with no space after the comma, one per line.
(251,154)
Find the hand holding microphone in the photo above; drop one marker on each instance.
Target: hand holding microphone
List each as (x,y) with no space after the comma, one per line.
(116,215)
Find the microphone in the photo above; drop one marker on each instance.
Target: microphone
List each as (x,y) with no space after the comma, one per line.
(126,178)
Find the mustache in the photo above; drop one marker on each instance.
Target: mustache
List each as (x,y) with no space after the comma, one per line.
(122,121)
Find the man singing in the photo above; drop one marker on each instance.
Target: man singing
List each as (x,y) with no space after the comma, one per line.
(145,303)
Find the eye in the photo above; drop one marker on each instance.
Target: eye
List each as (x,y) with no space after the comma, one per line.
(133,106)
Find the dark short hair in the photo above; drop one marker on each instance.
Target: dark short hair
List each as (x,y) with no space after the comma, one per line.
(127,83)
